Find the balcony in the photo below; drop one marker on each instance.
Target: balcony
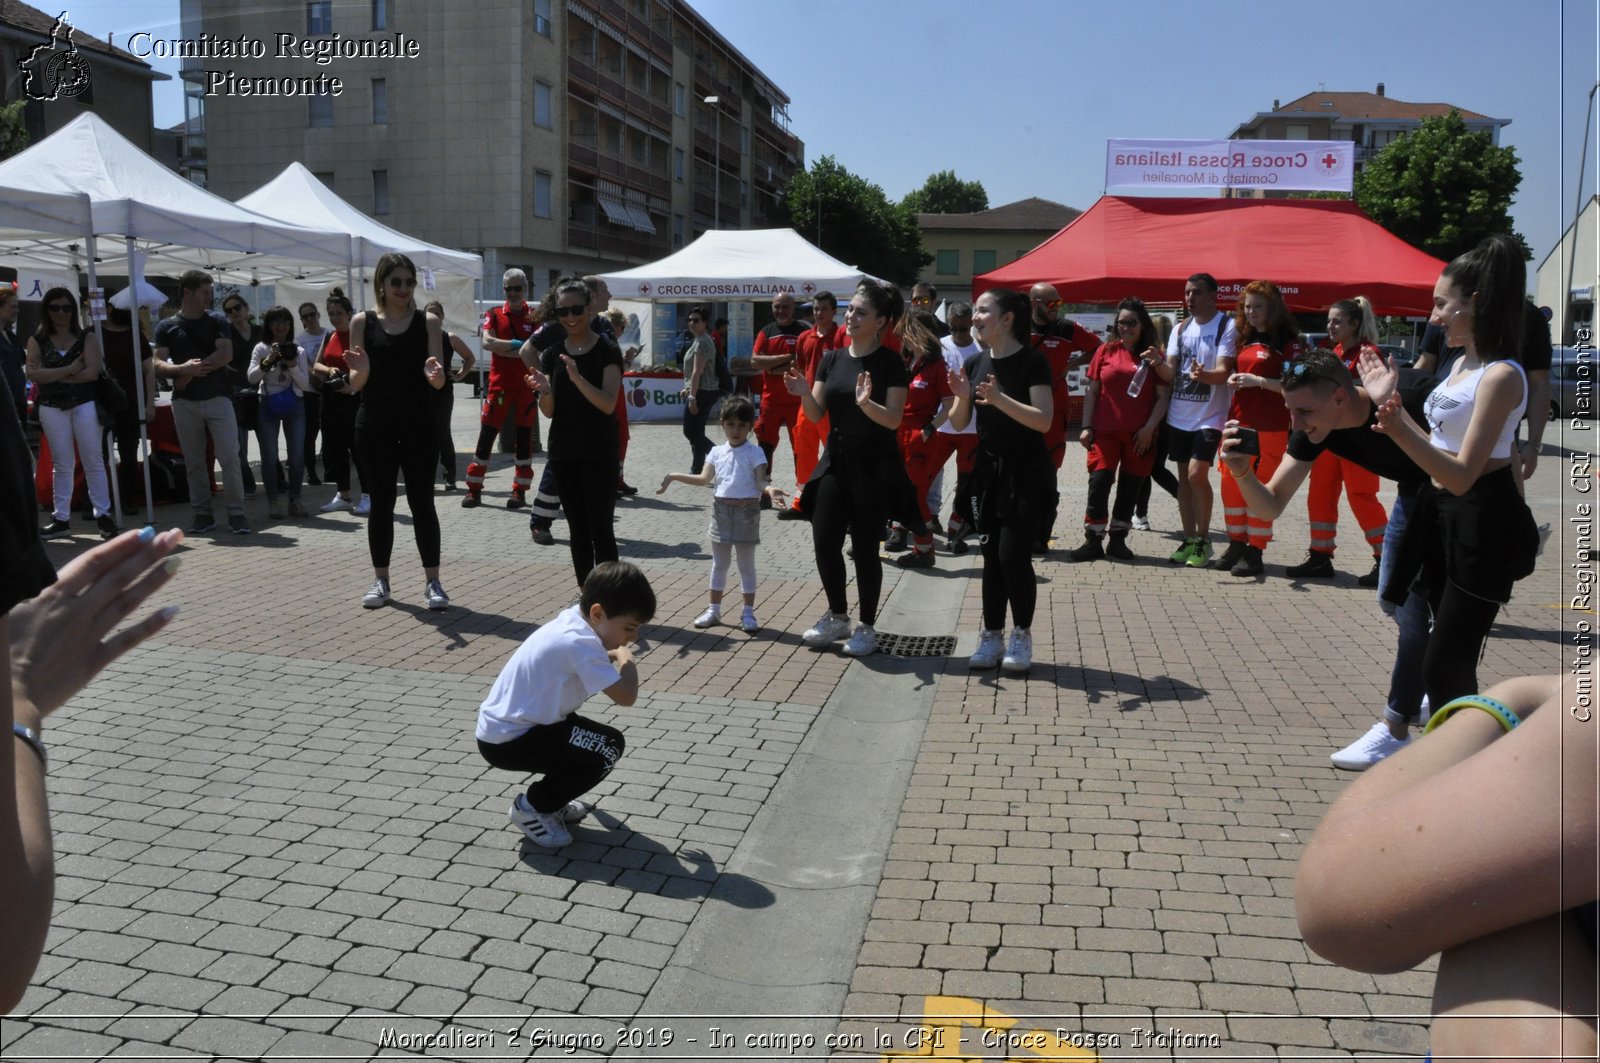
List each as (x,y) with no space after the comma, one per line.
(618,243)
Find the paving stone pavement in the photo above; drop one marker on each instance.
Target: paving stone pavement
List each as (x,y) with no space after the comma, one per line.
(276,838)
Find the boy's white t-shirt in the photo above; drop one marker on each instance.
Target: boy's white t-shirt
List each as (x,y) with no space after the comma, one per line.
(1195,405)
(956,358)
(734,470)
(547,678)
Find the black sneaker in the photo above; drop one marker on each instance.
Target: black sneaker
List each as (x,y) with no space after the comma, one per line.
(107,525)
(313,479)
(1371,578)
(627,489)
(1117,547)
(916,559)
(517,501)
(1232,555)
(238,524)
(471,500)
(896,540)
(1091,550)
(1249,564)
(1317,565)
(541,534)
(202,523)
(56,527)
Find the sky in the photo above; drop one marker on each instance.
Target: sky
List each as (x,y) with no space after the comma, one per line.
(1021,95)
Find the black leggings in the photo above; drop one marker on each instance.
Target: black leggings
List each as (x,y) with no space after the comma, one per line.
(1008,568)
(443,405)
(572,756)
(858,505)
(694,429)
(339,449)
(1129,488)
(588,493)
(387,448)
(313,402)
(1461,624)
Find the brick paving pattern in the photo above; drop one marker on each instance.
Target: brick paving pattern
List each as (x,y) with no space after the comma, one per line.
(276,838)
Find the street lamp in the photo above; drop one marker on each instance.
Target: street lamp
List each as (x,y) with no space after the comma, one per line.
(716,163)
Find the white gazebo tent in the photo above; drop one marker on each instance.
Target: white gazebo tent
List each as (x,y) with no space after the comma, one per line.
(86,181)
(730,265)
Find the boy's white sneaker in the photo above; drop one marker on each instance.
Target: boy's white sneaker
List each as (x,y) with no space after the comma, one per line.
(711,616)
(748,622)
(830,627)
(547,830)
(863,640)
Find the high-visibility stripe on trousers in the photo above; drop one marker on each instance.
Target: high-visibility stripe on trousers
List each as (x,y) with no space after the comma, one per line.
(523,478)
(1329,474)
(475,471)
(1241,524)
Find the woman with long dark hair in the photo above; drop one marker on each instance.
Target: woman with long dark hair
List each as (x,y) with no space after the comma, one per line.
(1013,480)
(395,368)
(1268,339)
(1472,535)
(1123,404)
(859,480)
(700,390)
(339,405)
(64,362)
(577,383)
(279,371)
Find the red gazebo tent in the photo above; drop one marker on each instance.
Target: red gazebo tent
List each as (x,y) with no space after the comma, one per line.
(1316,250)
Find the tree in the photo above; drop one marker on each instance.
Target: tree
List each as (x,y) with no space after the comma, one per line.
(851,219)
(13,129)
(1441,188)
(945,193)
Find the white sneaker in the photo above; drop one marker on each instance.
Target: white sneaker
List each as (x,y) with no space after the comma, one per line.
(1141,523)
(1019,652)
(548,830)
(748,622)
(377,595)
(572,812)
(711,616)
(1370,748)
(433,593)
(830,627)
(987,655)
(363,507)
(863,640)
(337,502)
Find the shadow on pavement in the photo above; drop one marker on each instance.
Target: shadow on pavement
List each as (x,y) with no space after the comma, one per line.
(455,623)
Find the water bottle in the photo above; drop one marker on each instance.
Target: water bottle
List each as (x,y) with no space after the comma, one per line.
(1140,375)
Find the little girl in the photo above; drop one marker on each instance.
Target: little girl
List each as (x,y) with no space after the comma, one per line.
(738,470)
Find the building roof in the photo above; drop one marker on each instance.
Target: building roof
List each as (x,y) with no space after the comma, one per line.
(35,22)
(1032,213)
(1371,105)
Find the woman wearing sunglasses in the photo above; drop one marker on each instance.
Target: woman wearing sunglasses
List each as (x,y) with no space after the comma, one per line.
(699,386)
(577,382)
(396,369)
(64,362)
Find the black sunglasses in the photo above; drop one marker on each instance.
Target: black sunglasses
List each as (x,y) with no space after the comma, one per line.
(60,308)
(513,288)
(571,311)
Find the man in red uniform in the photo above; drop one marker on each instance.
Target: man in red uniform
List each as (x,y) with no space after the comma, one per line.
(823,336)
(505,329)
(1066,345)
(772,354)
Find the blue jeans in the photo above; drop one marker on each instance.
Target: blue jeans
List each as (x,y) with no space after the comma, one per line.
(1412,619)
(294,434)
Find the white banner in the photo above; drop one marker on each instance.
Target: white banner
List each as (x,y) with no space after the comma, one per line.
(654,398)
(1281,165)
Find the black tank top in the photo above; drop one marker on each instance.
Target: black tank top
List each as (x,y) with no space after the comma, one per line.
(397,385)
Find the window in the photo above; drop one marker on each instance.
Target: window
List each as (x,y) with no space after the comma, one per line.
(948,264)
(380,191)
(680,99)
(319,111)
(325,177)
(541,194)
(677,231)
(380,101)
(744,194)
(744,140)
(1297,131)
(380,14)
(677,164)
(542,116)
(319,18)
(982,262)
(541,17)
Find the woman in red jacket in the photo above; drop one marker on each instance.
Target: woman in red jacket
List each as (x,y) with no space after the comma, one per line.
(927,405)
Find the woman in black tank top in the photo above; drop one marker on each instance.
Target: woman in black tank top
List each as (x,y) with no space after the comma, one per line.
(394,366)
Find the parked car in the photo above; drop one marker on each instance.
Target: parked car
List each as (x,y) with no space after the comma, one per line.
(1572,379)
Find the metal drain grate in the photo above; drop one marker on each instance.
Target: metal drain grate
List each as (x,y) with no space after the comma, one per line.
(916,645)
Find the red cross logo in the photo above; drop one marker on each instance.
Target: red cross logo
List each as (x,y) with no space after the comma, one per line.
(644,288)
(808,287)
(1329,160)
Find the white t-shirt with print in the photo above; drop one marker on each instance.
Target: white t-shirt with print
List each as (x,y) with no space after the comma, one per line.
(1195,405)
(956,358)
(547,678)
(734,469)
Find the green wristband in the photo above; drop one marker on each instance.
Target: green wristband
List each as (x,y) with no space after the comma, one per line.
(1498,709)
